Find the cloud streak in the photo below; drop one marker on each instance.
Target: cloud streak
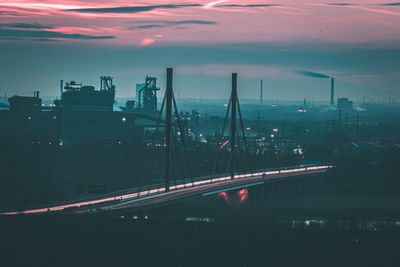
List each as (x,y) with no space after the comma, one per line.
(147,26)
(131,9)
(211,4)
(391,4)
(33,34)
(36,40)
(340,4)
(166,23)
(7,13)
(249,5)
(25,26)
(379,11)
(185,21)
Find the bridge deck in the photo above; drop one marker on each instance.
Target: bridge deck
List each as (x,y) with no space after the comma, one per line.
(130,199)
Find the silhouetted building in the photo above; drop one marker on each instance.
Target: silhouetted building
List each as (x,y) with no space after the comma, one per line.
(25,105)
(129,106)
(345,104)
(29,119)
(87,113)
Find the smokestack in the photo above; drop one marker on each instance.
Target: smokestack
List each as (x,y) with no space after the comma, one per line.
(261,92)
(332,91)
(61,88)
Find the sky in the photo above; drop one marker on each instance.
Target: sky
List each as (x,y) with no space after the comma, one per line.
(294,46)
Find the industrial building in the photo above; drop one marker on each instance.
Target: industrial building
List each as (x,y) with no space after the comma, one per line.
(27,118)
(82,115)
(146,96)
(344,104)
(25,105)
(87,113)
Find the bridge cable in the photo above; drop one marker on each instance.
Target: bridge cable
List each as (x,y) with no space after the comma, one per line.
(226,117)
(146,167)
(244,135)
(182,138)
(178,158)
(240,147)
(218,156)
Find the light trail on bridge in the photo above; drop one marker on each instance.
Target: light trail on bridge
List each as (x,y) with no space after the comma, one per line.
(158,195)
(240,181)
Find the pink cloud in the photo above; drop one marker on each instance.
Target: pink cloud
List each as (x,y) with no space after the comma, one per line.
(147,41)
(211,4)
(374,10)
(289,21)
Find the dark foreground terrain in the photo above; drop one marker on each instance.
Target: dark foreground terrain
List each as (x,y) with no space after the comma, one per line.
(105,241)
(350,218)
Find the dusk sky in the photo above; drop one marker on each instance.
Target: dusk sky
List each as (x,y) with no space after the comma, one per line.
(357,42)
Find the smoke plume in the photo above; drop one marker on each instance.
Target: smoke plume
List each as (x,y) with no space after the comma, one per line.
(313,74)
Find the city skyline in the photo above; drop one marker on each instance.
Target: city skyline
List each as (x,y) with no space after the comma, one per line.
(355,41)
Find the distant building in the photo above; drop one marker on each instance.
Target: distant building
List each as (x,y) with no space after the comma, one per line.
(28,118)
(345,104)
(82,115)
(129,106)
(87,113)
(25,105)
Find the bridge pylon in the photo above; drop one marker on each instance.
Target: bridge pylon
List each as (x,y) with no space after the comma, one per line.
(169,104)
(168,128)
(234,109)
(234,101)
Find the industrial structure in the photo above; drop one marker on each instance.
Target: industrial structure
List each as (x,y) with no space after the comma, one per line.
(25,105)
(85,117)
(146,96)
(84,101)
(87,113)
(344,104)
(27,117)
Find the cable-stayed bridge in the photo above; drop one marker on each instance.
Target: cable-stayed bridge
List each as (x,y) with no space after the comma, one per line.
(147,197)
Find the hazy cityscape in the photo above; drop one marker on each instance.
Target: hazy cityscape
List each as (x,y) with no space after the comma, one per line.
(195,134)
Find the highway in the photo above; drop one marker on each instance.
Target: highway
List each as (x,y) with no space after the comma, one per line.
(203,186)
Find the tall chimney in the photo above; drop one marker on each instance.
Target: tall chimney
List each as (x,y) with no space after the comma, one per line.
(61,88)
(261,92)
(332,91)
